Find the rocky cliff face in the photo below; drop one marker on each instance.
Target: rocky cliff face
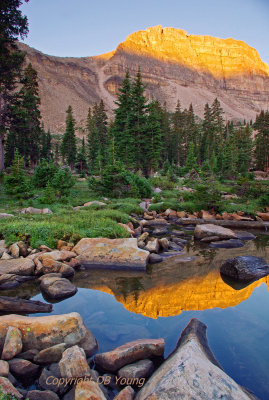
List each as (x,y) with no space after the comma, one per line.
(174,66)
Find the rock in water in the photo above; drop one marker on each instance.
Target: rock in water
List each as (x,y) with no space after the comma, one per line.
(115,253)
(227,244)
(140,369)
(43,332)
(245,268)
(206,230)
(129,353)
(192,372)
(57,288)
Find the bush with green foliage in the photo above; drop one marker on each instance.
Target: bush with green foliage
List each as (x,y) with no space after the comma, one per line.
(17,183)
(44,173)
(117,182)
(4,396)
(62,182)
(207,196)
(162,182)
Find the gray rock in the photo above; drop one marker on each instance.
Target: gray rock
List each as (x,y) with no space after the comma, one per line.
(164,243)
(227,244)
(19,266)
(210,239)
(153,246)
(5,215)
(11,281)
(191,372)
(245,235)
(160,232)
(140,369)
(208,230)
(245,268)
(41,395)
(155,258)
(177,233)
(3,247)
(23,369)
(50,355)
(29,354)
(6,256)
(70,395)
(56,287)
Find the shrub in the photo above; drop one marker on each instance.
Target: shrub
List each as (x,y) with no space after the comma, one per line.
(162,182)
(62,182)
(44,173)
(16,183)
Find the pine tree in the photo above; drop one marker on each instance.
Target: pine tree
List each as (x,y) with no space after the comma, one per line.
(261,125)
(68,145)
(177,133)
(153,147)
(244,148)
(191,161)
(81,157)
(12,26)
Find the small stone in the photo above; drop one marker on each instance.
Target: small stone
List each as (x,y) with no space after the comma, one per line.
(89,390)
(160,232)
(164,243)
(41,395)
(29,354)
(177,233)
(4,368)
(60,244)
(50,355)
(73,363)
(127,393)
(8,388)
(13,343)
(140,369)
(143,237)
(14,250)
(6,256)
(153,246)
(23,249)
(23,369)
(155,258)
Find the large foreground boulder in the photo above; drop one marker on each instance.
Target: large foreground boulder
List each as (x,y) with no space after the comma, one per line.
(114,253)
(206,230)
(192,372)
(43,332)
(245,268)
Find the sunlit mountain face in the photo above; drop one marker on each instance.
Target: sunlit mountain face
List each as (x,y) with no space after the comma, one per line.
(174,65)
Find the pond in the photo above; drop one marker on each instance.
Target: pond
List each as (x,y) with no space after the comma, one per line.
(118,306)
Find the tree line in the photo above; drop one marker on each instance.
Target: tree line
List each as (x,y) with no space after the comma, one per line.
(144,136)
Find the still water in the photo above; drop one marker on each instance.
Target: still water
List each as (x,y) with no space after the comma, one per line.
(120,306)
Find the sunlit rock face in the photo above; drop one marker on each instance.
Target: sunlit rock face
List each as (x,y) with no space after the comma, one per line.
(175,285)
(174,65)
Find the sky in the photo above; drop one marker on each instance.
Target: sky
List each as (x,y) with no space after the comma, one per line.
(79,28)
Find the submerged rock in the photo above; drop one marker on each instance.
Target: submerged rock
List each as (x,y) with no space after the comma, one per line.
(192,372)
(114,253)
(245,235)
(245,268)
(206,230)
(155,258)
(129,353)
(227,244)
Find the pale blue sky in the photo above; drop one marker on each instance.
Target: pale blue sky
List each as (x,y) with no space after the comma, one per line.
(89,27)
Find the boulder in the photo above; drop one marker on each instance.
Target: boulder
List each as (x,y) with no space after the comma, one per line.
(3,247)
(41,395)
(56,287)
(245,268)
(140,369)
(89,390)
(206,230)
(227,244)
(5,215)
(115,253)
(4,368)
(127,393)
(23,369)
(14,250)
(49,265)
(50,355)
(10,281)
(43,332)
(191,372)
(8,389)
(19,266)
(129,353)
(32,210)
(153,246)
(73,363)
(12,344)
(94,202)
(263,216)
(57,255)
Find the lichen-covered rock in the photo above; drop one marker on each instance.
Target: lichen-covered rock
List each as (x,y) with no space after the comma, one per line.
(43,332)
(89,390)
(115,253)
(191,372)
(8,388)
(73,363)
(206,230)
(245,268)
(129,353)
(13,343)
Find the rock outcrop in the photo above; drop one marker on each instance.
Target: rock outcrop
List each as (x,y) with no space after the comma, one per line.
(192,372)
(174,65)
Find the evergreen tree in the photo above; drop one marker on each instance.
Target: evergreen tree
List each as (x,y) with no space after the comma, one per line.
(244,148)
(153,147)
(12,26)
(68,145)
(81,157)
(177,133)
(191,161)
(45,145)
(261,125)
